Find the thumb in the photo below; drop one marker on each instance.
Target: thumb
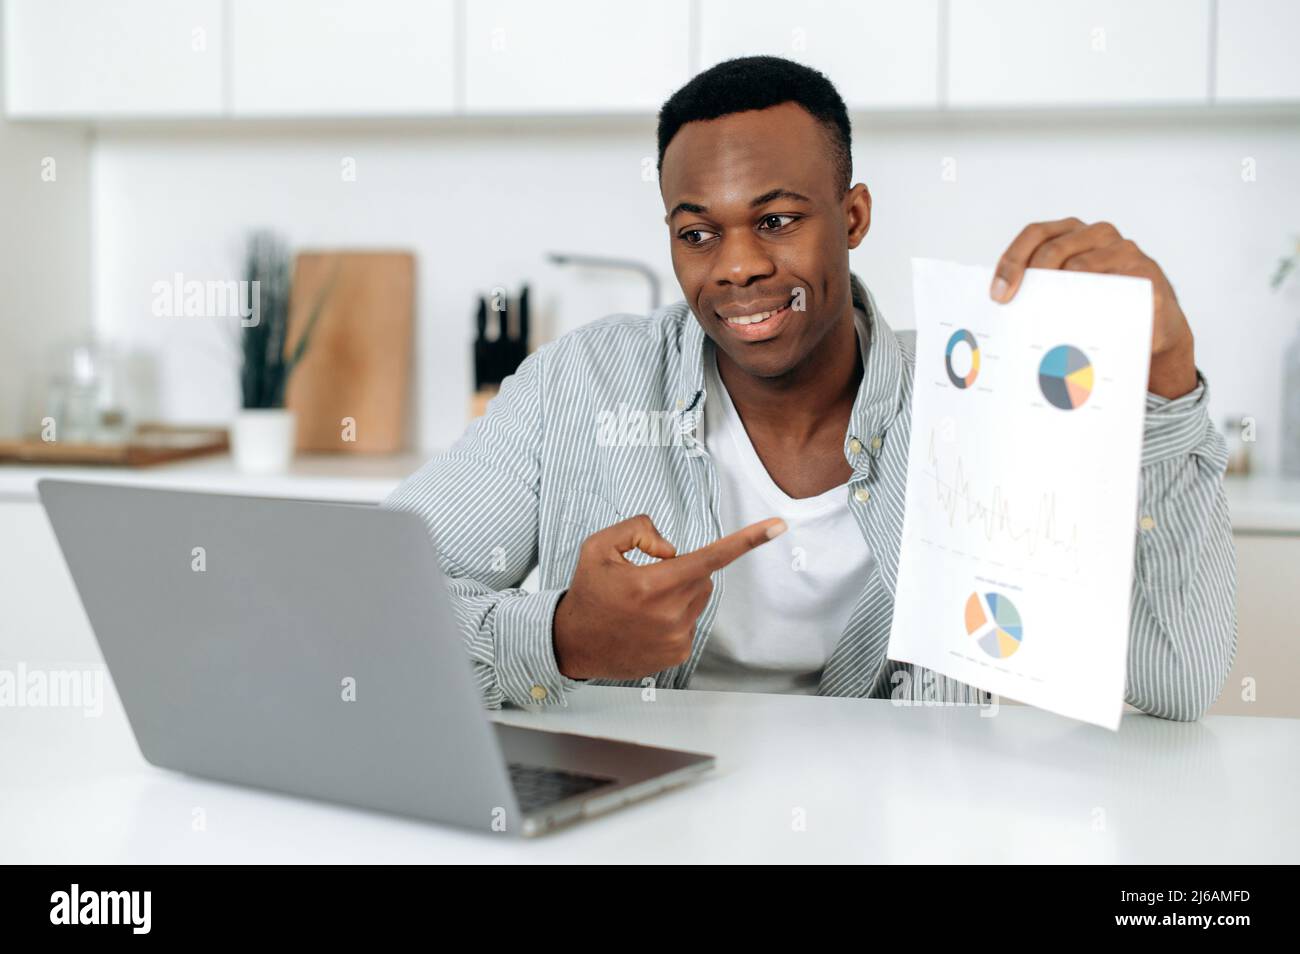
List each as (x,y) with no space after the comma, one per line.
(639,533)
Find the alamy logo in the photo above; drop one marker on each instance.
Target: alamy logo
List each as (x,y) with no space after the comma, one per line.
(635,427)
(102,907)
(179,298)
(27,688)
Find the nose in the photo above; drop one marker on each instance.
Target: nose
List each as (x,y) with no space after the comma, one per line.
(741,259)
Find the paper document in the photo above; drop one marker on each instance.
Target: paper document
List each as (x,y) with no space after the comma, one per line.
(1016,566)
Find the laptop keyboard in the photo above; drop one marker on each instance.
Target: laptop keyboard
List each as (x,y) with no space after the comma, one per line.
(535,786)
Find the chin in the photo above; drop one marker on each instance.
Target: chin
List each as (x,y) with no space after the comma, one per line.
(764,359)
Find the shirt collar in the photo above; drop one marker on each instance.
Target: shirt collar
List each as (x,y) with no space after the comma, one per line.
(879,396)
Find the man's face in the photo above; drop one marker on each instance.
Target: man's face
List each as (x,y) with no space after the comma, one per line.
(758,224)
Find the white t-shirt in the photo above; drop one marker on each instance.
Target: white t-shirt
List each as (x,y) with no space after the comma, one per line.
(784,605)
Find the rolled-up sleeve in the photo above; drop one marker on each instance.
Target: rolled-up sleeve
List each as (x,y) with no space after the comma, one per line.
(1183,631)
(480,503)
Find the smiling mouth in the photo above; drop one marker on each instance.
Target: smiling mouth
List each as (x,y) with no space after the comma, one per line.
(757,317)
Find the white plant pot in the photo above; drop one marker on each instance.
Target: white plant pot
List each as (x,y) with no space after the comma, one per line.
(262,440)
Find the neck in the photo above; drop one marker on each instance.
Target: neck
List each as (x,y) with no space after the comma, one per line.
(816,393)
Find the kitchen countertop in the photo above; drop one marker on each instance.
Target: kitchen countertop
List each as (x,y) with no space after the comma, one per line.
(1258,503)
(349,478)
(1264,503)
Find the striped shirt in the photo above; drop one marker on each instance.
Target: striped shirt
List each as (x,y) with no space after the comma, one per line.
(602,424)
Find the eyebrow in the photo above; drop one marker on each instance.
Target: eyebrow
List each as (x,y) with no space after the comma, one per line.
(754,203)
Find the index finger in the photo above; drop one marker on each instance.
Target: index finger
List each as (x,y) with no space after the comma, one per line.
(1011,266)
(707,559)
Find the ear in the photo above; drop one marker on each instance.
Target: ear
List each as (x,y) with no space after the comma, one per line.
(857,213)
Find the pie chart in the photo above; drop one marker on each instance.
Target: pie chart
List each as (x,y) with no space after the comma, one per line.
(994,622)
(1065,377)
(960,345)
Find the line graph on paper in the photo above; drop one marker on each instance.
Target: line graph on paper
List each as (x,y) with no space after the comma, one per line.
(1004,524)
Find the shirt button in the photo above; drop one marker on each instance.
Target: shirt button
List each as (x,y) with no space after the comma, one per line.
(538,693)
(1147,523)
(875,443)
(862,495)
(855,446)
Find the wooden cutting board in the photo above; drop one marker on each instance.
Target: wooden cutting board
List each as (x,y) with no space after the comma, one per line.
(150,444)
(350,390)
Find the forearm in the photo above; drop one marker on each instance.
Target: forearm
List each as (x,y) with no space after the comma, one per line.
(508,636)
(1184,624)
(480,504)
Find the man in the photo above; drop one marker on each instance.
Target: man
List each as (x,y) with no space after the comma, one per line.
(786,400)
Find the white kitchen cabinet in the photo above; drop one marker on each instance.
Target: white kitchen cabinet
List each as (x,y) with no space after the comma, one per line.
(342,57)
(1256,59)
(879,54)
(1265,676)
(1010,53)
(582,56)
(127,58)
(41,619)
(123,59)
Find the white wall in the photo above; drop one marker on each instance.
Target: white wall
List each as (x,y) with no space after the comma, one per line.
(44,258)
(480,203)
(480,208)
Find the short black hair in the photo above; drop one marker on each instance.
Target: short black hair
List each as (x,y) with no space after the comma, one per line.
(757,82)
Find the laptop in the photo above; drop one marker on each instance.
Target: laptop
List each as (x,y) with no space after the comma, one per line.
(312,648)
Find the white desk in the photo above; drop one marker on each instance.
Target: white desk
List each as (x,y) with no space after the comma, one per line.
(874,782)
(877,783)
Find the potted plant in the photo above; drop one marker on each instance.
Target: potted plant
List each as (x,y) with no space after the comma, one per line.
(263,436)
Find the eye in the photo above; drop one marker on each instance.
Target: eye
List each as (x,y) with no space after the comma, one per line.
(778,219)
(695,236)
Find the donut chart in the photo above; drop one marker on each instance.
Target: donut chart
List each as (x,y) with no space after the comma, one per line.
(993,621)
(959,337)
(1065,377)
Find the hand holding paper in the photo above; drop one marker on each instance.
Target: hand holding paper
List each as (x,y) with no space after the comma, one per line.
(1098,247)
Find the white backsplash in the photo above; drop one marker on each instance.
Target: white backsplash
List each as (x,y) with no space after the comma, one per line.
(481,204)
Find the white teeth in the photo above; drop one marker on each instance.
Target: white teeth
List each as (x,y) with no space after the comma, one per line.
(752,319)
